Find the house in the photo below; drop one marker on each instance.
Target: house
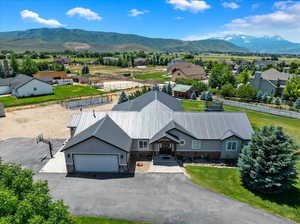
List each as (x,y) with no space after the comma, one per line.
(62,61)
(25,86)
(151,125)
(4,86)
(174,61)
(183,91)
(2,111)
(51,74)
(140,62)
(268,81)
(261,64)
(187,71)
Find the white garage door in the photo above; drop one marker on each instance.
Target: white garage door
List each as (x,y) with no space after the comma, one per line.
(96,163)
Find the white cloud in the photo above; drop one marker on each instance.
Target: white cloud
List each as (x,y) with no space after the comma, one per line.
(211,35)
(179,18)
(84,13)
(283,21)
(33,16)
(136,12)
(194,6)
(231,5)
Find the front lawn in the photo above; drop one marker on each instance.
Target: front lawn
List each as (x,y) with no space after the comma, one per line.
(60,93)
(227,181)
(153,76)
(257,119)
(96,220)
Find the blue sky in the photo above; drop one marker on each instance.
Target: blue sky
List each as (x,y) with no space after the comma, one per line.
(181,19)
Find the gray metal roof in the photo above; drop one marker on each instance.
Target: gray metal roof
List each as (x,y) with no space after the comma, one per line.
(105,129)
(140,102)
(273,74)
(5,82)
(20,80)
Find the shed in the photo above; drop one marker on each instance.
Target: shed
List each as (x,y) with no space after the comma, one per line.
(183,91)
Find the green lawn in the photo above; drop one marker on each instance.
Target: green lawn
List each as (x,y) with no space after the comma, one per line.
(257,119)
(227,181)
(155,76)
(60,93)
(96,220)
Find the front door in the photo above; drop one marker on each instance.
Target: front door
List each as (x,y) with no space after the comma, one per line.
(165,148)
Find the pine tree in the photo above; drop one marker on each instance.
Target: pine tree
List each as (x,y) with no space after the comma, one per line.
(203,96)
(259,96)
(297,103)
(277,101)
(155,87)
(169,89)
(164,89)
(29,67)
(267,163)
(123,98)
(85,70)
(14,64)
(193,96)
(208,96)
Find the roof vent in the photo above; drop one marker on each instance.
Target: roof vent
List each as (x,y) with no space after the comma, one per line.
(94,114)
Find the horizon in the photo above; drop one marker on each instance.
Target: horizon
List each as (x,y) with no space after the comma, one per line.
(193,20)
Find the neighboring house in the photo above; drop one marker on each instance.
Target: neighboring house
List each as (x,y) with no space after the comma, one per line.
(183,91)
(4,86)
(187,71)
(25,86)
(260,64)
(174,61)
(150,125)
(267,81)
(140,62)
(2,111)
(51,74)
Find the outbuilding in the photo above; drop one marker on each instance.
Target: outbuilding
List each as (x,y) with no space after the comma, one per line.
(183,91)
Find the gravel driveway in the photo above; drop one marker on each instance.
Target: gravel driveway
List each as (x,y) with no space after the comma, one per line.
(156,198)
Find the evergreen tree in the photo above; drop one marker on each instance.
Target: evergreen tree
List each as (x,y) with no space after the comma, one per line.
(264,98)
(267,163)
(259,96)
(14,64)
(208,96)
(169,89)
(193,96)
(85,70)
(297,103)
(277,101)
(278,89)
(164,89)
(123,98)
(203,96)
(155,87)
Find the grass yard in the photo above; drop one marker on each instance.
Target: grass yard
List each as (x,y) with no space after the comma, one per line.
(257,119)
(227,181)
(96,220)
(60,93)
(154,75)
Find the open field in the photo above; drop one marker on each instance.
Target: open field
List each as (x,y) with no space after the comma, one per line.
(257,119)
(60,93)
(153,76)
(227,181)
(115,70)
(96,220)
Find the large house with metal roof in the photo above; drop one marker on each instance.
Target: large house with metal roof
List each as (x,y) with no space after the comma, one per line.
(25,86)
(152,124)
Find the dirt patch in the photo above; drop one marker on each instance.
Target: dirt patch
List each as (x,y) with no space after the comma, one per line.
(51,121)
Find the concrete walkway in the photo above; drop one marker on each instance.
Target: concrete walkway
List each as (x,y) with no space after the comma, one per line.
(55,165)
(164,169)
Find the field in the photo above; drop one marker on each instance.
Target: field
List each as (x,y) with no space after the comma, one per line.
(60,93)
(95,220)
(257,119)
(153,76)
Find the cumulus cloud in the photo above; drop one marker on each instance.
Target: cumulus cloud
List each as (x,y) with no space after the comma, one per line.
(284,21)
(136,12)
(33,16)
(84,13)
(231,5)
(194,6)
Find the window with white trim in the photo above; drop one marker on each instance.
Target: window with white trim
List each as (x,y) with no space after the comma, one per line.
(143,144)
(196,144)
(231,146)
(182,142)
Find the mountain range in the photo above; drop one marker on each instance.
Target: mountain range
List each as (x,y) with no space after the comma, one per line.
(265,44)
(58,39)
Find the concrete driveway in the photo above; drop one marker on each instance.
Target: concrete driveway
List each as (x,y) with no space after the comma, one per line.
(156,198)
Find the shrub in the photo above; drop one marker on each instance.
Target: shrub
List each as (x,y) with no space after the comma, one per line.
(227,90)
(267,163)
(203,96)
(193,96)
(123,98)
(264,98)
(259,96)
(297,103)
(246,92)
(208,96)
(277,101)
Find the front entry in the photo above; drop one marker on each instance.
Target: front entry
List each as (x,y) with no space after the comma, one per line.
(166,148)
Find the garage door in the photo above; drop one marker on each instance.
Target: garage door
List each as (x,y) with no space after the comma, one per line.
(96,163)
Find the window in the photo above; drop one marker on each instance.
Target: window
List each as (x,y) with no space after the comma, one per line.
(231,146)
(34,89)
(196,144)
(182,142)
(143,144)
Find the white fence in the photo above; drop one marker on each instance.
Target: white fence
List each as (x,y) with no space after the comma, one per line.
(119,85)
(86,102)
(264,109)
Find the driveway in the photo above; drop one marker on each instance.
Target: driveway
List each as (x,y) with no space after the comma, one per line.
(26,152)
(155,197)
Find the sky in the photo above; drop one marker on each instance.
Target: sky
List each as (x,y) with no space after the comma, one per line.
(180,19)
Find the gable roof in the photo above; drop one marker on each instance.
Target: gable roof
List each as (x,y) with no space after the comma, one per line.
(273,74)
(187,68)
(21,80)
(141,102)
(5,82)
(106,130)
(181,88)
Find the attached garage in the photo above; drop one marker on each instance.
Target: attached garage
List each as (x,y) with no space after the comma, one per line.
(4,90)
(96,163)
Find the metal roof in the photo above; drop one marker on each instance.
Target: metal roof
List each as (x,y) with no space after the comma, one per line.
(181,88)
(5,82)
(106,130)
(21,80)
(273,74)
(140,102)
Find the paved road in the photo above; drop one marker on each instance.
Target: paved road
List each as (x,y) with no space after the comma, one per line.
(156,198)
(27,152)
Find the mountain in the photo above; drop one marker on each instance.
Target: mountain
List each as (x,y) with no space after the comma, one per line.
(266,44)
(57,39)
